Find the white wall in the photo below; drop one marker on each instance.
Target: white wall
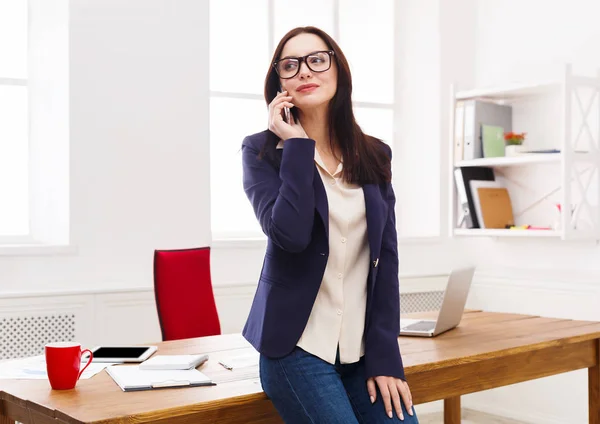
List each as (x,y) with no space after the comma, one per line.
(140,154)
(535,48)
(418,129)
(529,40)
(139,145)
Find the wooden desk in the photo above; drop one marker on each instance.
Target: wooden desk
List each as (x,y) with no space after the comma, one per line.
(487,350)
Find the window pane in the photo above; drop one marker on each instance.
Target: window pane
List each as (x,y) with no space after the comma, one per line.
(239,56)
(367,39)
(14,192)
(290,14)
(230,121)
(376,122)
(13,38)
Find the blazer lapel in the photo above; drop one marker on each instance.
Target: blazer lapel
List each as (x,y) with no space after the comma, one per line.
(376,213)
(321,203)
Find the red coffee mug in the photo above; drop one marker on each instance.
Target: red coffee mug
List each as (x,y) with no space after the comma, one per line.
(63,363)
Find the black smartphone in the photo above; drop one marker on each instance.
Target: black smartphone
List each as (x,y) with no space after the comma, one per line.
(286,110)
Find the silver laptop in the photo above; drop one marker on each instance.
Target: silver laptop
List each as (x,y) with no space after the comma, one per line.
(453,306)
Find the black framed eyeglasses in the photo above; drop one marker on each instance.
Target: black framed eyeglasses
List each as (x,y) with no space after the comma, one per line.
(319,61)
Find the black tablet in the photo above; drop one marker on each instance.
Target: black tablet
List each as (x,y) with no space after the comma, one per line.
(110,353)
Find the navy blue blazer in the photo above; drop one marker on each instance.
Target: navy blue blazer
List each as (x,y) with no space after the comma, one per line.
(290,203)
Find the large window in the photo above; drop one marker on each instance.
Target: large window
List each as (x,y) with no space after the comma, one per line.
(14,151)
(243,36)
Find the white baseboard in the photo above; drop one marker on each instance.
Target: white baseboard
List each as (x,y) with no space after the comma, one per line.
(547,294)
(529,417)
(422,283)
(120,316)
(430,408)
(469,416)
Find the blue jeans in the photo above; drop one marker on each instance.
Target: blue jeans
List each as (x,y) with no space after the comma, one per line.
(306,389)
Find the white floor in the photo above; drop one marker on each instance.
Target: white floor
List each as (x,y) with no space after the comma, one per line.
(468,417)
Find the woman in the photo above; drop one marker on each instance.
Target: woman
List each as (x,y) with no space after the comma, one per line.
(325,317)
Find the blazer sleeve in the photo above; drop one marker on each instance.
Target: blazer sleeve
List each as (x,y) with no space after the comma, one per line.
(283,202)
(382,356)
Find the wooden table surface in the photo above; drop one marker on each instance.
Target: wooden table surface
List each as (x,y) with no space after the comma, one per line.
(487,350)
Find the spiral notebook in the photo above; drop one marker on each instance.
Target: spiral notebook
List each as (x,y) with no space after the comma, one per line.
(173,362)
(130,378)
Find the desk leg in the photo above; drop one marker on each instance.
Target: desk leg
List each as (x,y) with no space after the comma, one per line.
(452,410)
(594,389)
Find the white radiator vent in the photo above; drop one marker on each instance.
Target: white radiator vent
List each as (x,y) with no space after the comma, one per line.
(421,302)
(26,336)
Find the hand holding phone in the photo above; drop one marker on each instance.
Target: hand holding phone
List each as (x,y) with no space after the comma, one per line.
(281,120)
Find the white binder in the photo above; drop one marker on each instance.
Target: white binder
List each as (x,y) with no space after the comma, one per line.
(131,378)
(173,362)
(477,113)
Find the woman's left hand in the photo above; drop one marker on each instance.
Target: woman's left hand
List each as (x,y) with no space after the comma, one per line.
(391,389)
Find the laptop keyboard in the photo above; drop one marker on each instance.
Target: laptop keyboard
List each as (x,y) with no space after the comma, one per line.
(420,326)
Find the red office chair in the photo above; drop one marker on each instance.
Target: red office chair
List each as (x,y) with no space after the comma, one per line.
(184,296)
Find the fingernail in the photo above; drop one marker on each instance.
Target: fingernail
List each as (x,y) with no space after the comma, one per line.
(401,417)
(372,399)
(390,414)
(410,411)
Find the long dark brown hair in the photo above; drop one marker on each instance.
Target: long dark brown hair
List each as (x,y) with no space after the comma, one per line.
(365,160)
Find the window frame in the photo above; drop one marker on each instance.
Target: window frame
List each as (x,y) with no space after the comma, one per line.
(48,138)
(239,241)
(26,238)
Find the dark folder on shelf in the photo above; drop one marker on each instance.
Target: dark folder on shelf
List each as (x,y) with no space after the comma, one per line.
(463,176)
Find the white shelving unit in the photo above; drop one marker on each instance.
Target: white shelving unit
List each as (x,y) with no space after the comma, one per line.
(521,160)
(570,123)
(478,232)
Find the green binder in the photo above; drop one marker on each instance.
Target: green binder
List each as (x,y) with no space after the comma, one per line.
(492,140)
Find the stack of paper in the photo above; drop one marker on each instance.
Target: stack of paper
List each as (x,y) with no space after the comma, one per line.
(241,361)
(173,362)
(34,368)
(132,378)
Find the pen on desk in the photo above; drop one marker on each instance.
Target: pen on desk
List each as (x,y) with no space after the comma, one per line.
(226,366)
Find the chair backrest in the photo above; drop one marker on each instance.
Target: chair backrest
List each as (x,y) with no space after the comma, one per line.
(184,295)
